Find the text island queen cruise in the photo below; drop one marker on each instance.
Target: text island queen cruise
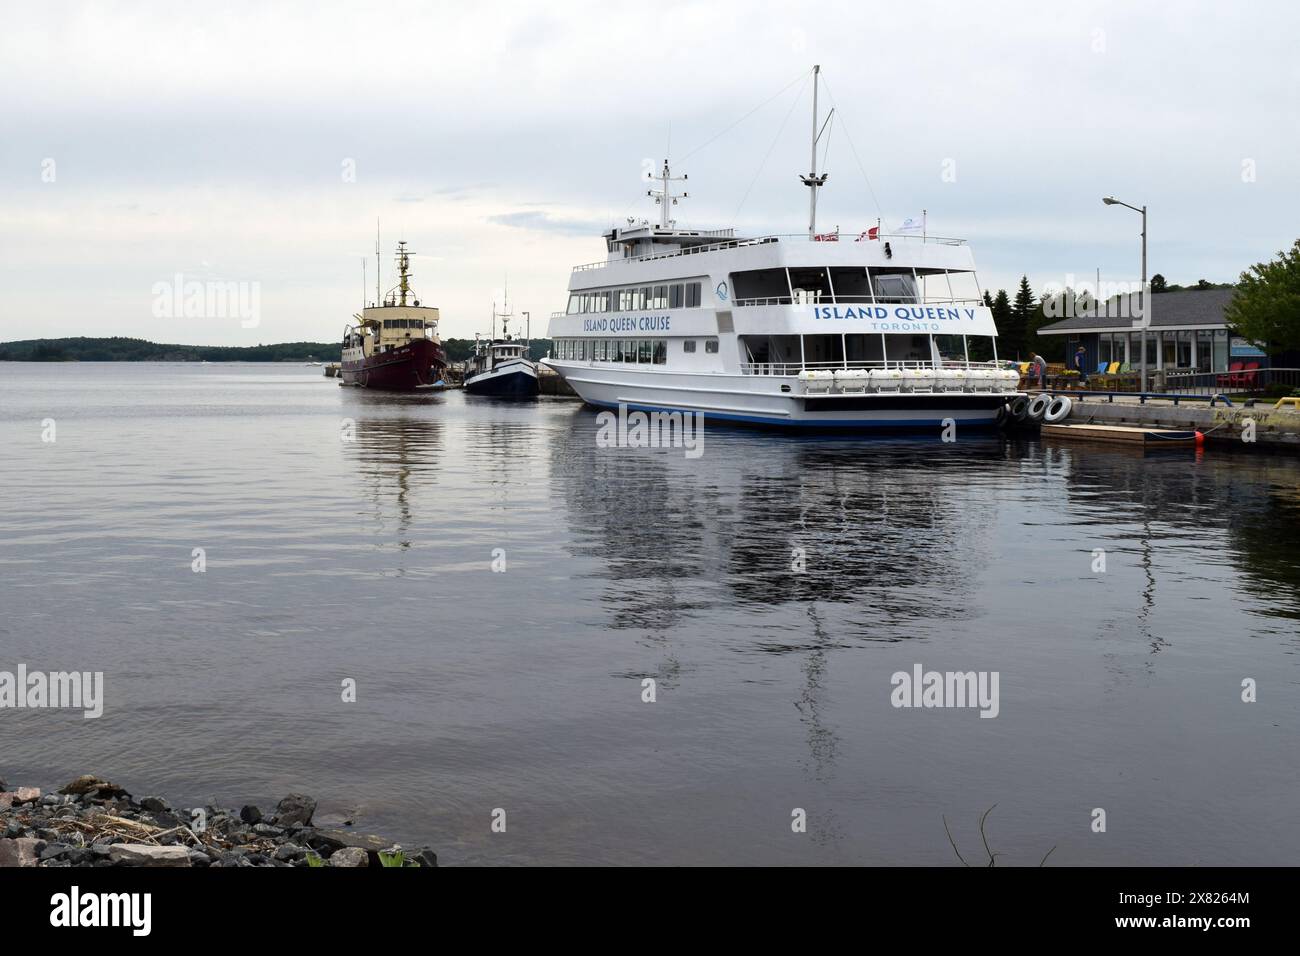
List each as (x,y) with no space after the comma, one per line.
(876,332)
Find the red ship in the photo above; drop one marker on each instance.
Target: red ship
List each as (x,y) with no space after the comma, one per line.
(394,345)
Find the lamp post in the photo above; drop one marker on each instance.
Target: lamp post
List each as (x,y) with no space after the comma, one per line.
(1145,323)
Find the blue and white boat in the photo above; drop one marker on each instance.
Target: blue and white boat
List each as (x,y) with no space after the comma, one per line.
(873,332)
(501,367)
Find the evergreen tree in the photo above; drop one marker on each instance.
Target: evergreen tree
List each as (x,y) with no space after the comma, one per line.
(1015,339)
(988,299)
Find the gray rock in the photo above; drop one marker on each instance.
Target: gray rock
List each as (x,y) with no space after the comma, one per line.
(288,851)
(266,830)
(340,839)
(142,854)
(54,850)
(156,804)
(350,856)
(88,785)
(295,808)
(23,851)
(250,814)
(199,858)
(426,857)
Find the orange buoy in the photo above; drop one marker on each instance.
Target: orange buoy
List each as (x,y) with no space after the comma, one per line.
(1200,439)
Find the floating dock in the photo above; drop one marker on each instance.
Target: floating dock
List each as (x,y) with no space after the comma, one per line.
(1143,435)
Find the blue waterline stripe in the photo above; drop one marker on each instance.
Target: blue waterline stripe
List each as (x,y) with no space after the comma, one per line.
(804,423)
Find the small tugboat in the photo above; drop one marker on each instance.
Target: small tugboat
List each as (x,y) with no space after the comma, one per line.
(394,343)
(501,367)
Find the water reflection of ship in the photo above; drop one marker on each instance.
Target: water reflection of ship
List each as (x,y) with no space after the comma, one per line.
(878,527)
(396,458)
(875,523)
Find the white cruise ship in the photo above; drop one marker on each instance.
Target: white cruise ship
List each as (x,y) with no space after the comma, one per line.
(860,331)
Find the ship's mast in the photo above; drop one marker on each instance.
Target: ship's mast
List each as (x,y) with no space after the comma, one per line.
(663,195)
(403,270)
(812,180)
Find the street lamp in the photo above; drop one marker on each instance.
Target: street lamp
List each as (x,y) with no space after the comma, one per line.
(1145,323)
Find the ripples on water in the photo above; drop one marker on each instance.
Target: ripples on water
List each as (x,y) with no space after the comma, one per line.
(371,559)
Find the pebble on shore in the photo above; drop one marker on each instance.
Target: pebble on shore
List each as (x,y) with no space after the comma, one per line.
(91,822)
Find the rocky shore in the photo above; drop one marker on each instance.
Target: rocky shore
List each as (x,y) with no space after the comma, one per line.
(91,822)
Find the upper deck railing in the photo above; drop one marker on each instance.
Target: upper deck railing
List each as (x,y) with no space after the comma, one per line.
(762,240)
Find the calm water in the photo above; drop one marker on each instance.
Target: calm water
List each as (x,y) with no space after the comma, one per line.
(522,690)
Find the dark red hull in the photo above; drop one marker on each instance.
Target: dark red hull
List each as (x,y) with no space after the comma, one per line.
(417,364)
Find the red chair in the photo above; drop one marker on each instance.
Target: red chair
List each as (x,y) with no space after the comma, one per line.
(1250,377)
(1230,380)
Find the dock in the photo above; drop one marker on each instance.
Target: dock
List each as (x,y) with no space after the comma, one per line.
(1260,424)
(1128,434)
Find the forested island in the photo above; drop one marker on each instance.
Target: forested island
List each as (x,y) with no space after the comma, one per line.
(119,349)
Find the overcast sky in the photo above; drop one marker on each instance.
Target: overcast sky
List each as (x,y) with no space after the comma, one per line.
(141,141)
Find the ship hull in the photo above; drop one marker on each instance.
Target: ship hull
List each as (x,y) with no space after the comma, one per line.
(511,380)
(753,400)
(417,364)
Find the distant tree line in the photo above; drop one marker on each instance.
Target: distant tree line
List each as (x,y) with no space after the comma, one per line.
(458,350)
(119,349)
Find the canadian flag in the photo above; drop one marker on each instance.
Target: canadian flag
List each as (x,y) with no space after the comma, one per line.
(872,233)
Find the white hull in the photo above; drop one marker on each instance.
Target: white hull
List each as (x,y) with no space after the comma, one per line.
(761,400)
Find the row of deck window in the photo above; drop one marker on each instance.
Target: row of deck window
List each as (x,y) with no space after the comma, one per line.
(679,295)
(645,351)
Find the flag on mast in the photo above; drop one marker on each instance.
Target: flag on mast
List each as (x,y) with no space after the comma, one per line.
(911,224)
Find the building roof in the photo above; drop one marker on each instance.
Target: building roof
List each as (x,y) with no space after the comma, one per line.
(1188,308)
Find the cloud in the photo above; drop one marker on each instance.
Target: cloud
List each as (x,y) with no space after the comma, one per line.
(543,222)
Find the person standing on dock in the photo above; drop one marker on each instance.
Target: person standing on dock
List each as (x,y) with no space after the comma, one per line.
(1038,369)
(1081,363)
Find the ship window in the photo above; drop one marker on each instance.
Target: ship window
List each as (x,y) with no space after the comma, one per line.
(644,352)
(661,352)
(770,284)
(573,305)
(851,285)
(675,296)
(643,298)
(894,286)
(629,350)
(814,284)
(692,295)
(688,345)
(711,346)
(660,298)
